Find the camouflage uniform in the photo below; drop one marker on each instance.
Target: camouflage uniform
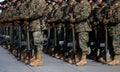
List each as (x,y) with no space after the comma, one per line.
(101,15)
(37,8)
(114,28)
(93,34)
(58,14)
(82,11)
(114,31)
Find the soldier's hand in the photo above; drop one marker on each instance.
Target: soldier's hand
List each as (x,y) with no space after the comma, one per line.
(71,25)
(9,19)
(26,23)
(48,21)
(16,22)
(9,24)
(94,23)
(53,25)
(72,20)
(16,17)
(26,17)
(105,21)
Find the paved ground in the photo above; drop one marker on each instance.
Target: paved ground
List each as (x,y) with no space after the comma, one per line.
(8,63)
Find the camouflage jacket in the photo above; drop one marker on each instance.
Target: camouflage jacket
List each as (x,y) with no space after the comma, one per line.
(37,7)
(114,13)
(82,10)
(114,18)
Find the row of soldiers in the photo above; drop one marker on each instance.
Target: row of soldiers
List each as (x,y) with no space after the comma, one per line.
(79,15)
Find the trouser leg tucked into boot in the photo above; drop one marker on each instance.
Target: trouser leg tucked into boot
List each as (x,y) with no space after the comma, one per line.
(83,60)
(38,61)
(38,40)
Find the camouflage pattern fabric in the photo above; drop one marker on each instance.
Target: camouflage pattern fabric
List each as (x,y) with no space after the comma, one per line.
(82,11)
(38,7)
(114,27)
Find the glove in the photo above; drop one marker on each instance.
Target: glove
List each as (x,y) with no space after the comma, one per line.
(48,21)
(26,23)
(17,22)
(94,23)
(72,20)
(9,24)
(16,18)
(26,17)
(105,21)
(71,25)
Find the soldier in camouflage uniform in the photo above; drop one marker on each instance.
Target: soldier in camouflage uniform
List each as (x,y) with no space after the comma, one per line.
(37,10)
(68,13)
(114,31)
(46,15)
(57,16)
(51,28)
(81,12)
(101,7)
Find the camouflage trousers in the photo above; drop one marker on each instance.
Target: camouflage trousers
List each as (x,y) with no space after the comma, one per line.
(83,38)
(38,41)
(114,32)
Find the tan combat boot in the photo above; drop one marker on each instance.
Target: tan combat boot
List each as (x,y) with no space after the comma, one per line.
(77,58)
(102,60)
(57,56)
(109,60)
(24,58)
(32,59)
(70,60)
(83,60)
(38,61)
(14,52)
(115,61)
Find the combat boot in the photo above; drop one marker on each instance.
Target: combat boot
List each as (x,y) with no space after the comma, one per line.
(14,52)
(83,60)
(33,59)
(109,60)
(115,61)
(24,58)
(77,59)
(70,60)
(102,60)
(9,47)
(38,61)
(57,56)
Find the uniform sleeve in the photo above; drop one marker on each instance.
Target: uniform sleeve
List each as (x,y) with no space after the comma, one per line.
(85,10)
(117,14)
(38,7)
(82,11)
(58,14)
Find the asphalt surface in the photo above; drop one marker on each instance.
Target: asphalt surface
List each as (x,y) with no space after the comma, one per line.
(8,63)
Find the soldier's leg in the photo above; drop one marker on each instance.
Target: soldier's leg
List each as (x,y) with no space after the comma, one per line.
(116,49)
(83,40)
(38,39)
(110,49)
(93,45)
(101,46)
